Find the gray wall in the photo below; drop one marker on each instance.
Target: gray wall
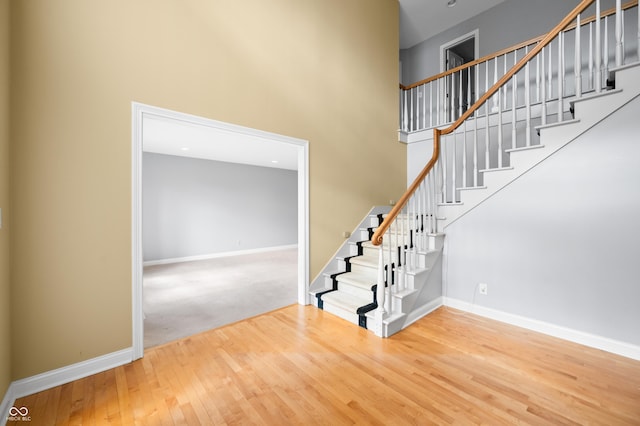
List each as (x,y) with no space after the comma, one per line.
(197,207)
(509,23)
(560,244)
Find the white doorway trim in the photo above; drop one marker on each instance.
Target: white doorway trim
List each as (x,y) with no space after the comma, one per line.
(476,48)
(141,111)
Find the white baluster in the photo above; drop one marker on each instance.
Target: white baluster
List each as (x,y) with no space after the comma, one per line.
(605,54)
(487,162)
(460,93)
(424,106)
(619,34)
(638,36)
(598,51)
(433,199)
(418,237)
(431,104)
(405,125)
(407,220)
(486,84)
(430,208)
(577,65)
(380,290)
(423,214)
(468,88)
(454,171)
(391,244)
(449,99)
(464,155)
(438,101)
(454,96)
(591,55)
(486,108)
(400,102)
(475,148)
(527,102)
(560,76)
(550,96)
(390,278)
(411,102)
(444,169)
(538,59)
(403,239)
(499,129)
(514,112)
(515,59)
(543,90)
(414,228)
(417,108)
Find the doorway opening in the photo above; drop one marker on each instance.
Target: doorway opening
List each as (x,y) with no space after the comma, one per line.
(248,142)
(459,88)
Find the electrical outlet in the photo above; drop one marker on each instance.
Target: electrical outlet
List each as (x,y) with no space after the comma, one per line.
(482,288)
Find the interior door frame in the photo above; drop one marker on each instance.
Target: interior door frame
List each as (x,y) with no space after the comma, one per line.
(446,46)
(443,56)
(139,112)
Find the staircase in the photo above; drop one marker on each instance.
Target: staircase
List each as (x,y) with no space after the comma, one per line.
(389,273)
(347,287)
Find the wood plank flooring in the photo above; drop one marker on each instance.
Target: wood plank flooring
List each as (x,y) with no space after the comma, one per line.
(300,365)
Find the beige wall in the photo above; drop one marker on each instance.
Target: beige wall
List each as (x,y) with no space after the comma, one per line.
(320,70)
(5,330)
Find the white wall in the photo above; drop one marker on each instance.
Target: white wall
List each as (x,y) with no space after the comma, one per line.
(560,244)
(194,207)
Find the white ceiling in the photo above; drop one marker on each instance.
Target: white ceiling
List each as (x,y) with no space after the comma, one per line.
(422,19)
(174,137)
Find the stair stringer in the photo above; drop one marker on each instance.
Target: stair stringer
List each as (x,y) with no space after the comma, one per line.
(589,111)
(424,295)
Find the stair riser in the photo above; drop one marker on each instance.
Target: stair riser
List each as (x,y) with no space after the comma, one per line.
(342,313)
(355,291)
(403,302)
(361,269)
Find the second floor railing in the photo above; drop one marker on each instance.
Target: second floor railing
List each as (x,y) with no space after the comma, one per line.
(576,62)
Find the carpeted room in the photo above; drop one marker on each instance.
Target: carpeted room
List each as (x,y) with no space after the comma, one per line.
(219,240)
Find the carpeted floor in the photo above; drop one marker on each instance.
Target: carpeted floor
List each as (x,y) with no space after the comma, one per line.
(181,299)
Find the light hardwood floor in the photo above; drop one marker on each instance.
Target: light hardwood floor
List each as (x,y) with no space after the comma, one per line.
(300,365)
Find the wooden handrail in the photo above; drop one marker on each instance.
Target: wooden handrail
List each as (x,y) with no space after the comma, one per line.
(377,237)
(515,47)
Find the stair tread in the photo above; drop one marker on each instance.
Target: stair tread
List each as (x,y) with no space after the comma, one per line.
(345,301)
(329,273)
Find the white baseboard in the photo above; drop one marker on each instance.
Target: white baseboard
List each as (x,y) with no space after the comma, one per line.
(60,376)
(614,346)
(7,403)
(217,255)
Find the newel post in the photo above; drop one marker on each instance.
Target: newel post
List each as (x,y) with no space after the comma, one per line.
(380,293)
